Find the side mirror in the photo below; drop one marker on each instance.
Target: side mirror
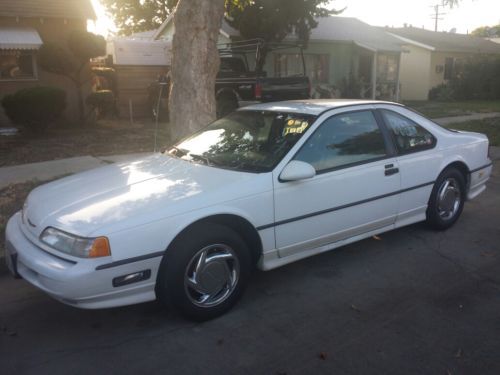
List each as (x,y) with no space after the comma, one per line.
(297,170)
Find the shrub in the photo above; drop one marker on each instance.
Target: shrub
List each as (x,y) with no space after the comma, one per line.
(35,108)
(102,102)
(442,93)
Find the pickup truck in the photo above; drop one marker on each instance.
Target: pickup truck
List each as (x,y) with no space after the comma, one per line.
(237,85)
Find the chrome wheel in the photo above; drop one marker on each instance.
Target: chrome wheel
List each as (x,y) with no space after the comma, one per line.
(449,198)
(211,275)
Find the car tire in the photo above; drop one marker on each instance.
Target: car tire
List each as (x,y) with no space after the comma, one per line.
(447,199)
(225,106)
(204,272)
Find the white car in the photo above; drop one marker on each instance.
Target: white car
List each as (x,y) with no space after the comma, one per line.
(265,186)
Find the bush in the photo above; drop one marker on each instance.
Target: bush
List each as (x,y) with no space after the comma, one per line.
(478,78)
(442,93)
(102,102)
(35,108)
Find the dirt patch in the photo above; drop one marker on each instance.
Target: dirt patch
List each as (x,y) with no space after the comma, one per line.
(108,137)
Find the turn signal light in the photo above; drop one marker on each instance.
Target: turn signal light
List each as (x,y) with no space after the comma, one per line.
(100,248)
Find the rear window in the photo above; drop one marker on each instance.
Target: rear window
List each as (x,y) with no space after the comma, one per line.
(408,135)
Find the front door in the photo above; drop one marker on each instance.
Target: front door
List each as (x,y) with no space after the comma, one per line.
(355,189)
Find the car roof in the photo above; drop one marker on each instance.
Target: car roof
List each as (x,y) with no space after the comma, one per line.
(311,106)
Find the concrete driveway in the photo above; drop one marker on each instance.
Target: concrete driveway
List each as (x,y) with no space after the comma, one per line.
(412,302)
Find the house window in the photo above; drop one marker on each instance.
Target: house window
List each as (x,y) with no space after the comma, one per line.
(286,65)
(387,68)
(17,65)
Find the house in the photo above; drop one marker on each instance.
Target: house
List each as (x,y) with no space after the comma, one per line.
(432,57)
(342,51)
(24,26)
(138,61)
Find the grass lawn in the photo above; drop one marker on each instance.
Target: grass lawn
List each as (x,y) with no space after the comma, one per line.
(448,109)
(108,137)
(490,127)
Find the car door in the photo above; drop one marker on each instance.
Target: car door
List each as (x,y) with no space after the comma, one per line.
(354,191)
(418,162)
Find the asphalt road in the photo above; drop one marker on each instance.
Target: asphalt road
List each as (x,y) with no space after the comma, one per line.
(412,302)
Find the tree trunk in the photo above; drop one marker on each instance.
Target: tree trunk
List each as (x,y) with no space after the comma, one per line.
(195,63)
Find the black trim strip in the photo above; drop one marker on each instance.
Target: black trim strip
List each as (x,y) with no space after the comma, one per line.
(129,260)
(328,210)
(478,169)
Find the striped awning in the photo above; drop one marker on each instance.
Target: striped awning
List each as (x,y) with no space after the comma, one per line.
(19,38)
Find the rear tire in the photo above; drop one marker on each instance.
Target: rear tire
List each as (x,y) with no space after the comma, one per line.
(447,199)
(204,272)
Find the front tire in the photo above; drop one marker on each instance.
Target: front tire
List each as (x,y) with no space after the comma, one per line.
(204,272)
(447,199)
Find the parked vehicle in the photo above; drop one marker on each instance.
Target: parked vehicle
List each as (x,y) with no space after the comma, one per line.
(265,186)
(237,85)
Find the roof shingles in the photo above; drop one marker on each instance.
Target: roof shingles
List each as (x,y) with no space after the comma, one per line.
(71,9)
(447,42)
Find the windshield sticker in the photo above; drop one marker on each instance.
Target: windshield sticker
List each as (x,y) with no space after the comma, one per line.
(295,127)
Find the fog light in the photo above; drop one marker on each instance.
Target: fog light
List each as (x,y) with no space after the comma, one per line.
(131,278)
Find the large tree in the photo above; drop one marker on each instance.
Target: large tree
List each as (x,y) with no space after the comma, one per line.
(131,16)
(195,63)
(195,60)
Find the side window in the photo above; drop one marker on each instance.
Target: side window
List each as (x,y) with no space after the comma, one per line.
(408,135)
(344,140)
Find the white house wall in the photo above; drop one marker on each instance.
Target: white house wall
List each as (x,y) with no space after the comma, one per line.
(415,73)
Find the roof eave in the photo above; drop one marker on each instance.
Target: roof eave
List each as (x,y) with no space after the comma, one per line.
(413,42)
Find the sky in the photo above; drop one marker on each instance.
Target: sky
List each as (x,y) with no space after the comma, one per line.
(469,15)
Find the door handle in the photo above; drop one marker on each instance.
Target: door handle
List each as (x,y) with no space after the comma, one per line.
(390,170)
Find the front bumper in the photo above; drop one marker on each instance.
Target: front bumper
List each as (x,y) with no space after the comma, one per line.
(75,283)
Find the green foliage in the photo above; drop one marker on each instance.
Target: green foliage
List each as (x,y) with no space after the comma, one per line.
(71,61)
(35,108)
(478,79)
(131,16)
(102,102)
(272,20)
(487,31)
(84,45)
(55,59)
(451,3)
(442,93)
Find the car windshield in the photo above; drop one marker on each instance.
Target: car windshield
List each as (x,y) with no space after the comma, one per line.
(250,141)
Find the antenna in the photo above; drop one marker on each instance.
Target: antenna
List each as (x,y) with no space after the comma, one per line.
(158,107)
(437,15)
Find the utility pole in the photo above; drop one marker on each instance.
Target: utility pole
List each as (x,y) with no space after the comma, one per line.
(437,15)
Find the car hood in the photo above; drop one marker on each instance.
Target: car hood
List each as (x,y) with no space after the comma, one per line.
(122,195)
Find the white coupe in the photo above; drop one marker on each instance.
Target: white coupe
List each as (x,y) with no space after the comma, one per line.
(265,186)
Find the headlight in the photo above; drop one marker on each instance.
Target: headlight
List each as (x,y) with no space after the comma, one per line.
(77,246)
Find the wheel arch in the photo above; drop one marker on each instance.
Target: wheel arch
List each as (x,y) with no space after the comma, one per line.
(462,167)
(227,93)
(240,225)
